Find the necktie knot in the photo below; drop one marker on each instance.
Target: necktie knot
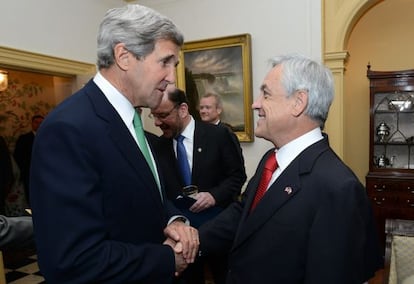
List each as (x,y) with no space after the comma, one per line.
(137,121)
(180,138)
(271,163)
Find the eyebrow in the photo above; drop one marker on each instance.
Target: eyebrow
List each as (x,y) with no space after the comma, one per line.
(263,87)
(169,58)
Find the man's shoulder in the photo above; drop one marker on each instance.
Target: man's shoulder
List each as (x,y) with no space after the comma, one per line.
(158,142)
(227,125)
(26,136)
(152,136)
(209,128)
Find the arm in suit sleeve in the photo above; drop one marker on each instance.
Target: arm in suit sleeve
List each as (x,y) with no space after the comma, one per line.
(16,232)
(233,170)
(217,235)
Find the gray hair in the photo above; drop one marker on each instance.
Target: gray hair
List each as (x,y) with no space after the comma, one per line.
(138,27)
(219,101)
(302,73)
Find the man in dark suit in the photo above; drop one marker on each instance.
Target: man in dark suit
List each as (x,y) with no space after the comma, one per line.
(6,174)
(210,109)
(311,221)
(99,210)
(23,153)
(216,164)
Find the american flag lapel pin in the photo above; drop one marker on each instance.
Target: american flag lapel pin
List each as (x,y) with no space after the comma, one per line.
(288,189)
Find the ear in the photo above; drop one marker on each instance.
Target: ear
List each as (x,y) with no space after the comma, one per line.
(183,110)
(300,102)
(122,56)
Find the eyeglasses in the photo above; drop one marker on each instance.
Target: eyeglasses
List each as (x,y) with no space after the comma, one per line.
(162,115)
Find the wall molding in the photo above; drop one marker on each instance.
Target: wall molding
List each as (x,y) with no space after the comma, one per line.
(30,61)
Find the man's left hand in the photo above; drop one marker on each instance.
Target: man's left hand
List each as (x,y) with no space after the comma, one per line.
(204,200)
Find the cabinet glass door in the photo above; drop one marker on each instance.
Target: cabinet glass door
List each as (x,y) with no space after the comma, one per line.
(393,130)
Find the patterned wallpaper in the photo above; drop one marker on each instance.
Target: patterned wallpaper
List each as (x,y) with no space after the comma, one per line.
(29,94)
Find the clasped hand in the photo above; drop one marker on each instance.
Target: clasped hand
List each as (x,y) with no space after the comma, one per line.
(183,239)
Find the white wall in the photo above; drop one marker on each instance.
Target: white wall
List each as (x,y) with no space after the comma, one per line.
(58,28)
(276,27)
(68,29)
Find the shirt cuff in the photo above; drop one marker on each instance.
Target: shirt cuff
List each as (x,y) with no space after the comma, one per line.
(179,218)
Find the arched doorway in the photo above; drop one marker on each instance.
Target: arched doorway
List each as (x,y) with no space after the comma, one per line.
(355,33)
(339,17)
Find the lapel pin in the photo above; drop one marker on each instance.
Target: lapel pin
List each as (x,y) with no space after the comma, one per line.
(288,190)
(199,150)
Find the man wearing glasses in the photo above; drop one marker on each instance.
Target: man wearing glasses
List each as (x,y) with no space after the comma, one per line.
(215,168)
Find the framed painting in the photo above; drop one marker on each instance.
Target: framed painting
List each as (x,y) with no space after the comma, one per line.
(222,66)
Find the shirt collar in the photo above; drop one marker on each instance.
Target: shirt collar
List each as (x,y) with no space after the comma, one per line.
(188,131)
(121,104)
(291,150)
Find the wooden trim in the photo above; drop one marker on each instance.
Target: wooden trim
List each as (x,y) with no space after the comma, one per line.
(30,61)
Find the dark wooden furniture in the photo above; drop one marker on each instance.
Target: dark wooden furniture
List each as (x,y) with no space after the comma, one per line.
(390,180)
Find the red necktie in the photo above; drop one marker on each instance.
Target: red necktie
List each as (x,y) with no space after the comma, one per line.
(269,168)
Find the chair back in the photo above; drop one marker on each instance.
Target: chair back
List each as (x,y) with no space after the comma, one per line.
(2,272)
(399,252)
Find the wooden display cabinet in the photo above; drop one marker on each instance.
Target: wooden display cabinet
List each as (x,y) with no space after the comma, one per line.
(390,180)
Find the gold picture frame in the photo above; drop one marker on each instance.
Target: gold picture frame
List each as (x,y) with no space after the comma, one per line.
(220,65)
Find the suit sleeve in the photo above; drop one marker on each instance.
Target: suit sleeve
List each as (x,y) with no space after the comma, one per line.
(234,171)
(16,232)
(217,235)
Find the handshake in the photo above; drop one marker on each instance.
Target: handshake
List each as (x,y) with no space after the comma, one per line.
(184,241)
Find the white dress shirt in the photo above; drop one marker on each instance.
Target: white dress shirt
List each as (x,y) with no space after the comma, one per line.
(291,150)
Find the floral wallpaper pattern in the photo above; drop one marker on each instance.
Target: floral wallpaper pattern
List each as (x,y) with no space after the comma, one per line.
(18,103)
(28,93)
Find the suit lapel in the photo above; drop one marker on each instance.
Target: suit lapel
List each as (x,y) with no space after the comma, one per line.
(122,138)
(199,147)
(154,149)
(170,158)
(280,192)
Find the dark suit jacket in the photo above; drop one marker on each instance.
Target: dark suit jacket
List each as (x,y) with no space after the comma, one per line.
(236,141)
(218,167)
(97,211)
(6,173)
(314,225)
(22,155)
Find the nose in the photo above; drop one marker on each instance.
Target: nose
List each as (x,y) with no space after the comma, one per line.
(257,104)
(171,75)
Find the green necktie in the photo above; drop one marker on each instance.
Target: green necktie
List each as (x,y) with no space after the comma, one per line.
(139,131)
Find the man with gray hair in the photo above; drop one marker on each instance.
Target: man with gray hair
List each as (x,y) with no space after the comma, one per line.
(99,208)
(304,217)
